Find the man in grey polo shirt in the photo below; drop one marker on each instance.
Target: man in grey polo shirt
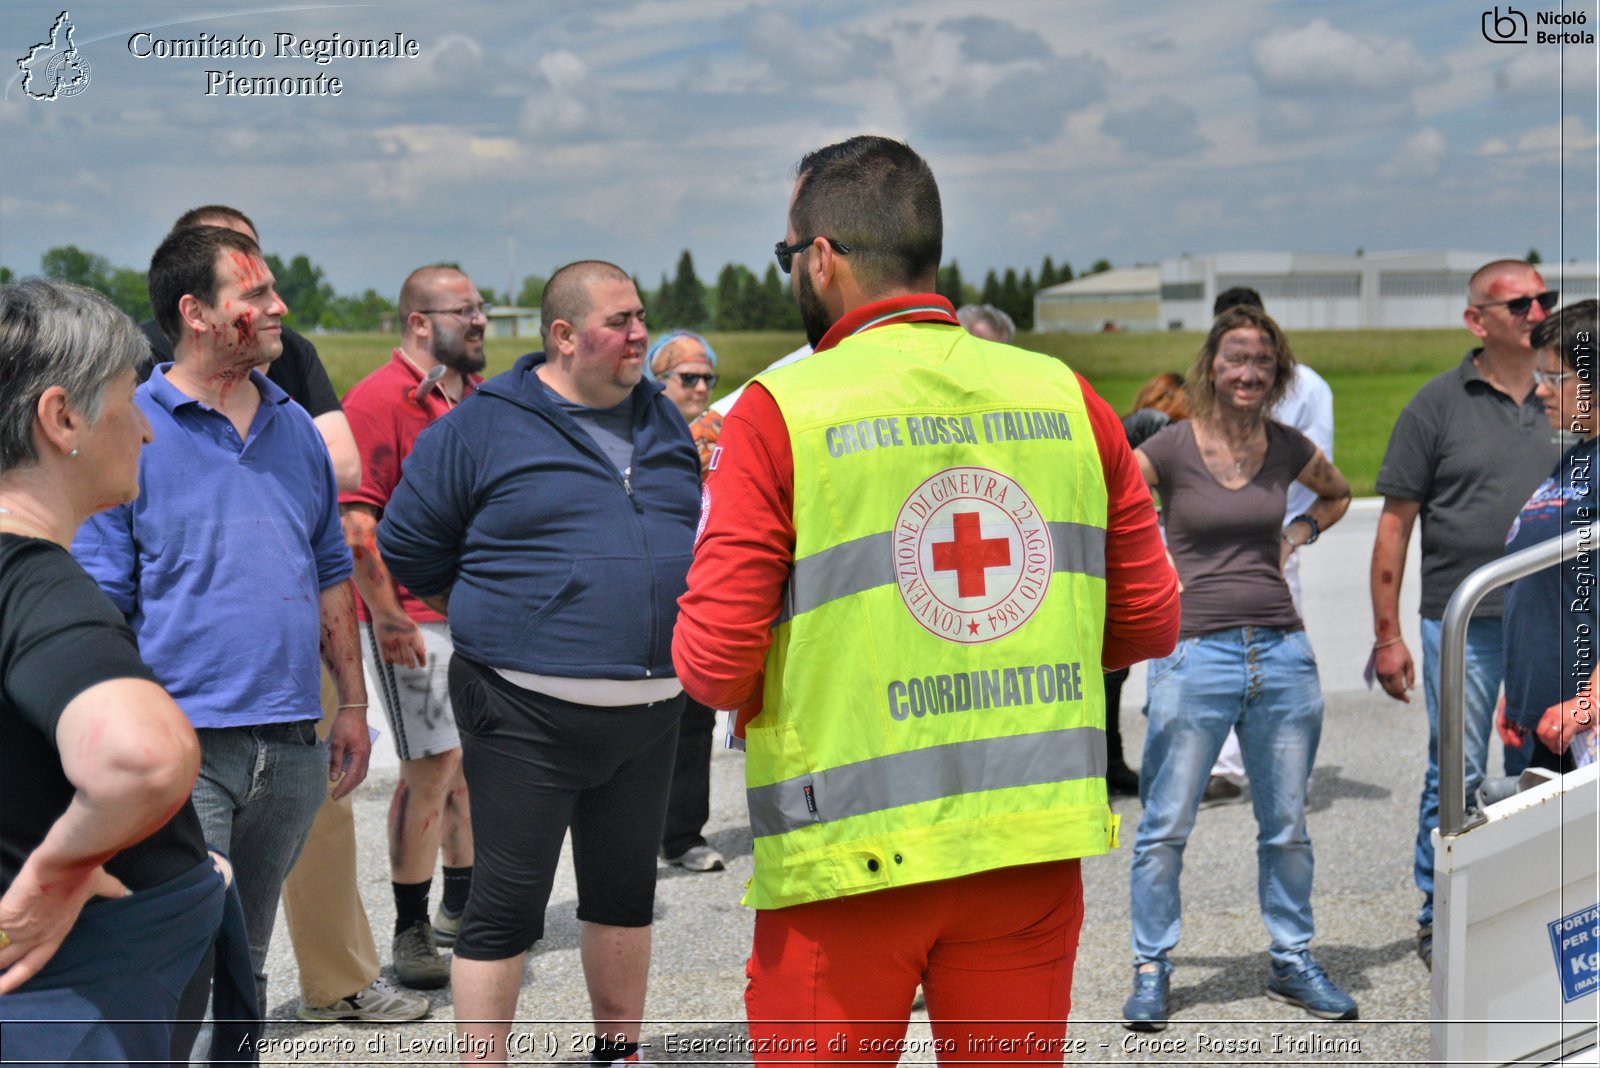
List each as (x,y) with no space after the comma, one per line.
(1465,454)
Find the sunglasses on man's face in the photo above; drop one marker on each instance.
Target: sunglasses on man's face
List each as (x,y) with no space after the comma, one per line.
(787,253)
(1519,306)
(691,379)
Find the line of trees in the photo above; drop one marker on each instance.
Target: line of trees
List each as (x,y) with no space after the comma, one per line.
(741,301)
(738,301)
(302,284)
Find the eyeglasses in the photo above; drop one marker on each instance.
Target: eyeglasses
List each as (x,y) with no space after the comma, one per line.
(691,379)
(466,311)
(1519,306)
(787,253)
(1551,379)
(1263,364)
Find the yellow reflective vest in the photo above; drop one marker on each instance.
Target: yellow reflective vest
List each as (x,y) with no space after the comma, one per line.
(933,704)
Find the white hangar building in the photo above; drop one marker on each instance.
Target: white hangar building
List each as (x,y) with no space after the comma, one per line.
(1302,290)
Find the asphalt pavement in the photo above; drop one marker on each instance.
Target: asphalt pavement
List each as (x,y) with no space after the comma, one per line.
(1363,819)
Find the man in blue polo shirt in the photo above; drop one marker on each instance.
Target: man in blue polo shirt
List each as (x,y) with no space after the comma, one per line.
(232,569)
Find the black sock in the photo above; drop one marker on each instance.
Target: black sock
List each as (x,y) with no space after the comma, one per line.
(606,1051)
(410,904)
(457,884)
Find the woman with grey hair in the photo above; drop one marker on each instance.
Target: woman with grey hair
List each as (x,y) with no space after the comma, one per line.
(108,901)
(987,321)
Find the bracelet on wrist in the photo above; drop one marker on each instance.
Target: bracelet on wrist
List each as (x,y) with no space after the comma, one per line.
(1386,644)
(1316,527)
(358,704)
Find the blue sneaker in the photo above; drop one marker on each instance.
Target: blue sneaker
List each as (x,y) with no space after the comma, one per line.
(1309,987)
(1146,1008)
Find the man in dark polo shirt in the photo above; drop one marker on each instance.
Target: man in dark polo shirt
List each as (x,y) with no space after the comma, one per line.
(1465,454)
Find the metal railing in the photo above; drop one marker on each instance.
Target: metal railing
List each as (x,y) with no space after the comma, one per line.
(1453,659)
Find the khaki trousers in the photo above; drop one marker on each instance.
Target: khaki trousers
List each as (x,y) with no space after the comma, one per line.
(322,903)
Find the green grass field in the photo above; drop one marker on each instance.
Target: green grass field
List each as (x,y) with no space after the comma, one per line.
(1373,372)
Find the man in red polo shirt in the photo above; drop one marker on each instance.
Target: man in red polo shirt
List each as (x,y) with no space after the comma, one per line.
(406,644)
(917,551)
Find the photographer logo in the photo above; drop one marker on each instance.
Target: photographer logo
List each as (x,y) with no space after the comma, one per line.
(1509,28)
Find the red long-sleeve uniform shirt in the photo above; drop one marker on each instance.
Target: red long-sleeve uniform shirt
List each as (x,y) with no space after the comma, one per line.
(745,549)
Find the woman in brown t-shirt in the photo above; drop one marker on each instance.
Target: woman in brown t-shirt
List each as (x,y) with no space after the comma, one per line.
(1242,659)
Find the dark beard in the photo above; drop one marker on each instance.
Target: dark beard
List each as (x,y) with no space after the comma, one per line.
(812,313)
(452,353)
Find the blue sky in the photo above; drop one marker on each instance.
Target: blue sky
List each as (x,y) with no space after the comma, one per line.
(527,135)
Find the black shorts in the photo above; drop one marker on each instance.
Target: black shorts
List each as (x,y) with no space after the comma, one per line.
(536,765)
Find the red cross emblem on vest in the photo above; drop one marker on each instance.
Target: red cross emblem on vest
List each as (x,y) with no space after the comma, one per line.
(970,554)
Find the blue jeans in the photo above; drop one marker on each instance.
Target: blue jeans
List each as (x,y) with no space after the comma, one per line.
(1485,669)
(259,789)
(1261,681)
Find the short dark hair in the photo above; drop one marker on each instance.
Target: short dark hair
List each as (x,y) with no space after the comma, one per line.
(58,334)
(566,295)
(417,289)
(1202,394)
(877,196)
(186,263)
(1571,332)
(197,217)
(1237,297)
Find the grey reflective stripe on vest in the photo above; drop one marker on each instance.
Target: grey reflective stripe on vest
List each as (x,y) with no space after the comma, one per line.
(867,563)
(925,775)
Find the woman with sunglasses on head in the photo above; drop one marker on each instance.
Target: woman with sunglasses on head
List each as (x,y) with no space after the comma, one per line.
(1550,618)
(686,366)
(1242,659)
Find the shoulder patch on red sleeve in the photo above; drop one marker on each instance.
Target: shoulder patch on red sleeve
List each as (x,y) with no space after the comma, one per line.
(705,512)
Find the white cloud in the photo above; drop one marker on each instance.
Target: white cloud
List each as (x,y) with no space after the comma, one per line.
(563,70)
(1319,57)
(1571,137)
(1419,156)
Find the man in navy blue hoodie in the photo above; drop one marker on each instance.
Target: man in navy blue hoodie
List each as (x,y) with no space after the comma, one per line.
(551,516)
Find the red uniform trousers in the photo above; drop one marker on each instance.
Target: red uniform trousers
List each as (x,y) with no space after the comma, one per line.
(833,980)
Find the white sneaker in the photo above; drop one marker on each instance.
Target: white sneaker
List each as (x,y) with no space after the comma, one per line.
(378,1003)
(698,858)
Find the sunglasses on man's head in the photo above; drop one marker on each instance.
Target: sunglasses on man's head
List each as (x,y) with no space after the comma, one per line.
(690,379)
(1519,306)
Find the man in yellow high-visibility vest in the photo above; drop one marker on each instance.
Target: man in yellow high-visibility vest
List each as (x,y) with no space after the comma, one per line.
(917,552)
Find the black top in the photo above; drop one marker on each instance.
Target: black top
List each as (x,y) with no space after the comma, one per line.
(59,635)
(1142,424)
(298,372)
